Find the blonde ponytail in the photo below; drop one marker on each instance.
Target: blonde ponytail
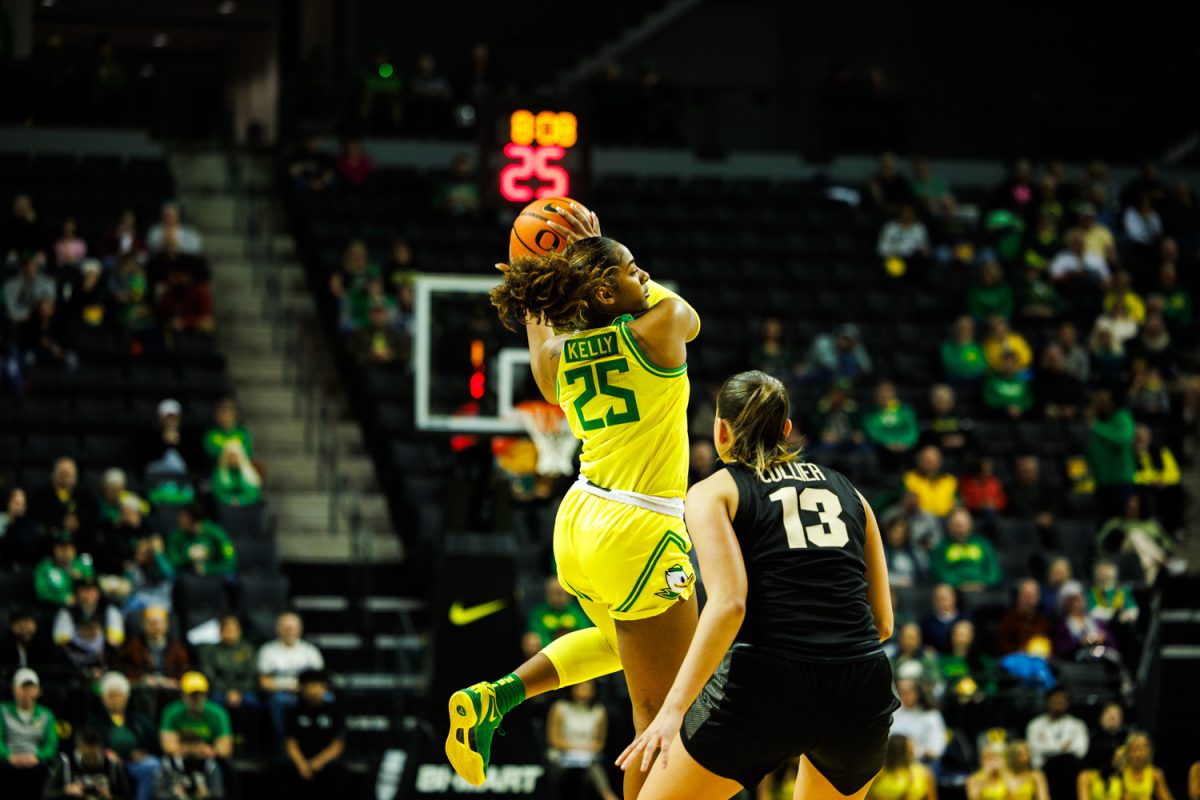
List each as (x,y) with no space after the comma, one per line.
(756,407)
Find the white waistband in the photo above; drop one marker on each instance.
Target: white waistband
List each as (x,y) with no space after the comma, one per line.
(671,506)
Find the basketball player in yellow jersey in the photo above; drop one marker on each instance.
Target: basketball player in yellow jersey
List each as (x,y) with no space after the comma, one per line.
(619,539)
(1140,778)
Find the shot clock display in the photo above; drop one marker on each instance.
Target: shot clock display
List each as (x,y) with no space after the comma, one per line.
(536,151)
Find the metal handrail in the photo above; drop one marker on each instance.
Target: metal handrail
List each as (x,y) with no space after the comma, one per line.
(1149,670)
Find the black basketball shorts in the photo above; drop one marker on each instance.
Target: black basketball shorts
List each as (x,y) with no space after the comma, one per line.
(759,711)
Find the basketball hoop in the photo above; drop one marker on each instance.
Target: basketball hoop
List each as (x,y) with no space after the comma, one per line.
(547,426)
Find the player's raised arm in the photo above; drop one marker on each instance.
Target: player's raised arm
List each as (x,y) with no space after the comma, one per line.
(879,593)
(656,293)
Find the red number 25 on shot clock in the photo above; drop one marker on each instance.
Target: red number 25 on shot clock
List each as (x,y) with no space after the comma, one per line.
(536,143)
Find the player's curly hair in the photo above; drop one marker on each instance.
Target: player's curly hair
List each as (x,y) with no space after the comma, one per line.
(756,406)
(557,288)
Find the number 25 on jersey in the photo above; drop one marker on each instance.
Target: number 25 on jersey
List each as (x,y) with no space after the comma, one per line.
(595,376)
(829,532)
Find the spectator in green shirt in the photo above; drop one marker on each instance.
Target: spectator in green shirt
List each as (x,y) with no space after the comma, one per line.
(891,426)
(232,664)
(28,738)
(54,579)
(128,734)
(200,546)
(196,713)
(226,427)
(235,481)
(1110,454)
(557,615)
(1177,301)
(930,189)
(989,295)
(965,560)
(1007,392)
(968,674)
(962,357)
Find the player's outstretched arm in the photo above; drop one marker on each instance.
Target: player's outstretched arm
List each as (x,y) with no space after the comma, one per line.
(710,507)
(879,593)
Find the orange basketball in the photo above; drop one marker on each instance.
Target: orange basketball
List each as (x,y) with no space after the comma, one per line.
(531,236)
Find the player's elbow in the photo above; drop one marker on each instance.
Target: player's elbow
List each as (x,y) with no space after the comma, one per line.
(885,625)
(731,609)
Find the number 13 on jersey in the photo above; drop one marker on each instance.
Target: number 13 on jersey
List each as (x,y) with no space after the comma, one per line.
(829,532)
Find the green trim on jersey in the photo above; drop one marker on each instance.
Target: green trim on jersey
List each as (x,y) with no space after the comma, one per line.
(648,570)
(647,364)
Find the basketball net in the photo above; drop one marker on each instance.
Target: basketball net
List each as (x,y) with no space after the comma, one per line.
(547,426)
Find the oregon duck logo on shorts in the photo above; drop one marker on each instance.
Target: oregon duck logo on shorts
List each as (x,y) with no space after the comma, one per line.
(679,580)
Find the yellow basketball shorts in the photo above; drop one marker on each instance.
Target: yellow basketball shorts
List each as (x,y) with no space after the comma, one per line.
(627,558)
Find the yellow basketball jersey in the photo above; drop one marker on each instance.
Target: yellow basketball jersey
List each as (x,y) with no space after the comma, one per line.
(630,413)
(1141,788)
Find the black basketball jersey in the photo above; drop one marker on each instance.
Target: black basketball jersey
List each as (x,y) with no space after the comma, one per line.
(802,530)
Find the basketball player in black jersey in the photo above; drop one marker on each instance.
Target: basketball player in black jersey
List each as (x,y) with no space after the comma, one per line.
(786,659)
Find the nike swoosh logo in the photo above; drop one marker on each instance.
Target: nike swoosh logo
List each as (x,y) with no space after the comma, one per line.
(465,616)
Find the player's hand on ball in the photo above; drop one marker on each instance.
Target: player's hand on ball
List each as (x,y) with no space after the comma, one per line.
(583,224)
(657,737)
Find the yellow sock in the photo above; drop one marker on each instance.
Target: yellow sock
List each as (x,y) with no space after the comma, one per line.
(581,656)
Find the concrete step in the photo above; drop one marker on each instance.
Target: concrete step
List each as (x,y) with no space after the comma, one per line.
(247,304)
(318,527)
(245,327)
(266,401)
(200,170)
(252,369)
(258,347)
(295,473)
(315,504)
(212,212)
(221,244)
(281,428)
(306,546)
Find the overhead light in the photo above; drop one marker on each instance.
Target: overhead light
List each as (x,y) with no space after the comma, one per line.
(226,7)
(147,71)
(49,3)
(159,40)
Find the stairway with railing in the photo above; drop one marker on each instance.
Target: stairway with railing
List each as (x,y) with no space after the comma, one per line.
(317,476)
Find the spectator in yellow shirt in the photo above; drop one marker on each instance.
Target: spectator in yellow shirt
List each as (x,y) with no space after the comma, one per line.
(1122,290)
(1097,238)
(1001,339)
(1157,476)
(936,491)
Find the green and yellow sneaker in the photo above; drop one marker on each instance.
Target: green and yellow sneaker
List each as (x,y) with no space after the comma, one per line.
(474,718)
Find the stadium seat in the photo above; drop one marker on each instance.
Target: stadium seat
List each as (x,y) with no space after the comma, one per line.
(913,601)
(1075,536)
(262,598)
(199,598)
(996,437)
(16,590)
(1015,534)
(1090,682)
(44,448)
(975,602)
(243,521)
(256,555)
